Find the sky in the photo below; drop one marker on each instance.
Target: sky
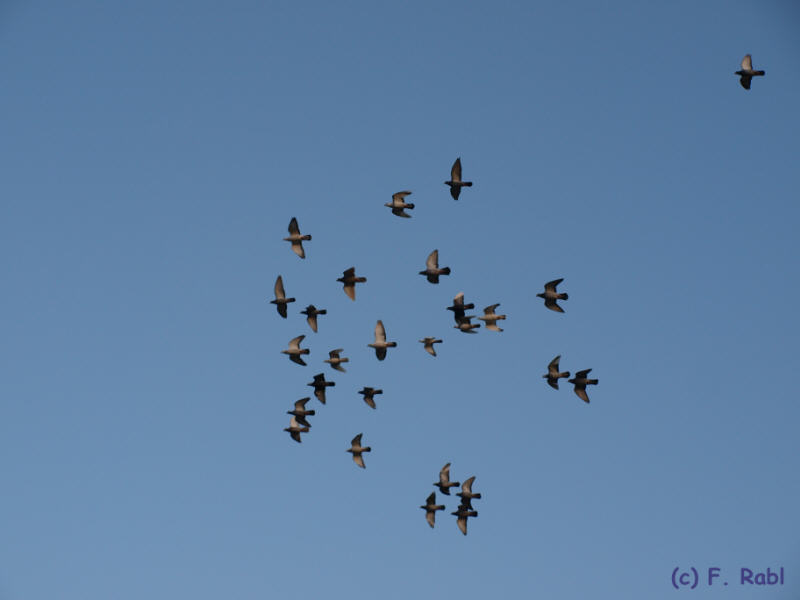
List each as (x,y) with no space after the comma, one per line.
(153,154)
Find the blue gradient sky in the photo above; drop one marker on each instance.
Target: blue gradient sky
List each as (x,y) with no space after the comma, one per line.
(153,154)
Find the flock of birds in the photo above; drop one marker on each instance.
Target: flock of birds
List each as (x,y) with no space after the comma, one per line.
(299,423)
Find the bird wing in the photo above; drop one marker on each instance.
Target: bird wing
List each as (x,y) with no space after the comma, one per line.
(430,516)
(745,81)
(551,285)
(359,460)
(582,374)
(431,499)
(301,404)
(380,332)
(296,359)
(282,310)
(551,304)
(293,227)
(432,261)
(552,368)
(462,524)
(350,290)
(489,310)
(369,400)
(459,299)
(430,349)
(356,441)
(295,343)
(297,247)
(444,474)
(335,353)
(466,487)
(455,171)
(747,63)
(398,197)
(280,293)
(400,213)
(349,273)
(581,393)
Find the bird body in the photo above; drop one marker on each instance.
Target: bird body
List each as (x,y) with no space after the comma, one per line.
(295,429)
(459,308)
(432,270)
(356,449)
(380,344)
(335,361)
(349,281)
(311,313)
(581,381)
(455,182)
(550,295)
(294,351)
(430,507)
(429,342)
(281,300)
(319,384)
(369,395)
(300,412)
(398,204)
(747,73)
(490,318)
(296,238)
(553,374)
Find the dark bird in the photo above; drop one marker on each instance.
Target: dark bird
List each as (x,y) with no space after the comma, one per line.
(380,343)
(430,507)
(581,382)
(335,361)
(356,449)
(444,484)
(747,73)
(550,295)
(490,318)
(349,280)
(466,494)
(295,430)
(553,375)
(455,182)
(296,238)
(459,308)
(462,513)
(429,342)
(464,324)
(369,395)
(294,351)
(311,313)
(319,384)
(300,412)
(281,300)
(398,204)
(432,270)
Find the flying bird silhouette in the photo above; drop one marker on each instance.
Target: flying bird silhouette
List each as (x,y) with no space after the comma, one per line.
(369,395)
(380,343)
(464,324)
(553,375)
(747,73)
(459,308)
(463,513)
(295,430)
(281,300)
(444,484)
(335,361)
(430,507)
(490,318)
(294,351)
(551,295)
(356,449)
(429,342)
(311,313)
(349,281)
(466,494)
(300,412)
(432,270)
(398,204)
(455,182)
(296,238)
(319,384)
(581,382)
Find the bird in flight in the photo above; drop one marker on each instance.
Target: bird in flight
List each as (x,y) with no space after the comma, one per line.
(335,361)
(296,238)
(300,412)
(369,395)
(490,318)
(459,308)
(398,203)
(295,429)
(462,514)
(444,484)
(380,343)
(319,384)
(281,300)
(349,281)
(429,342)
(550,295)
(466,494)
(581,382)
(455,182)
(747,73)
(356,449)
(294,351)
(311,313)
(430,507)
(432,270)
(553,375)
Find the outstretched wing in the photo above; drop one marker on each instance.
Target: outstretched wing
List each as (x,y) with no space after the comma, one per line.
(296,359)
(581,393)
(293,227)
(747,63)
(432,261)
(455,171)
(489,310)
(398,197)
(380,332)
(280,293)
(295,343)
(552,368)
(356,441)
(551,285)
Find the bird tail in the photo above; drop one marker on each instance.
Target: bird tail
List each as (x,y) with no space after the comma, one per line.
(289,300)
(501,317)
(409,206)
(322,312)
(311,413)
(592,381)
(445,271)
(305,351)
(341,360)
(304,430)
(759,72)
(563,296)
(466,183)
(367,449)
(564,375)
(391,344)
(306,237)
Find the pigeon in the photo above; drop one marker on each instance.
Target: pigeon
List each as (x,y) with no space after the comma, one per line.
(550,295)
(311,313)
(490,319)
(398,204)
(553,375)
(747,73)
(455,182)
(466,494)
(295,430)
(300,413)
(444,484)
(319,384)
(296,238)
(335,361)
(281,300)
(356,449)
(432,270)
(349,280)
(430,507)
(459,308)
(369,395)
(464,324)
(429,342)
(294,351)
(381,344)
(462,513)
(581,382)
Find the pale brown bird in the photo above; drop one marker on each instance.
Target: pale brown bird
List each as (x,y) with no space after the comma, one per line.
(581,382)
(356,449)
(319,384)
(398,204)
(490,318)
(295,430)
(466,494)
(296,238)
(430,507)
(380,343)
(349,281)
(429,342)
(551,295)
(553,374)
(455,182)
(432,270)
(281,300)
(369,395)
(444,484)
(463,513)
(747,73)
(311,313)
(300,412)
(294,351)
(335,361)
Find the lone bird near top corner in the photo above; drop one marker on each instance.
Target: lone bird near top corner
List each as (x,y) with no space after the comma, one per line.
(281,300)
(295,430)
(349,281)
(747,73)
(296,238)
(490,318)
(462,513)
(455,182)
(369,395)
(294,351)
(300,411)
(553,375)
(319,384)
(444,484)
(429,342)
(380,344)
(398,203)
(430,507)
(551,295)
(356,449)
(581,382)
(432,270)
(466,494)
(335,361)
(311,313)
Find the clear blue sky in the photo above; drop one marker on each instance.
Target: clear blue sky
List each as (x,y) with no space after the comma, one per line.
(152,156)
